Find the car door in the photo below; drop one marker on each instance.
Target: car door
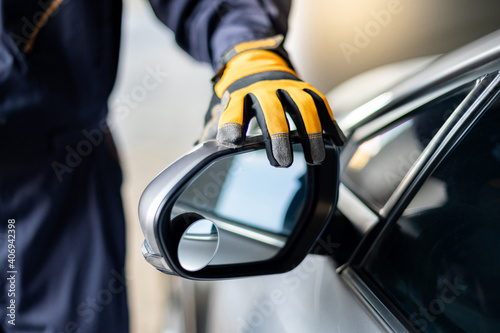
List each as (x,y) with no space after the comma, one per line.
(420,204)
(386,176)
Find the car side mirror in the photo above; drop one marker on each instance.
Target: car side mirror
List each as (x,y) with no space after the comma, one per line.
(222,212)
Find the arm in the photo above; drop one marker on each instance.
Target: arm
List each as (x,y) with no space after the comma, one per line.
(242,39)
(208,28)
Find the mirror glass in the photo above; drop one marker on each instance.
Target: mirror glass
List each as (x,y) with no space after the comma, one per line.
(198,245)
(254,205)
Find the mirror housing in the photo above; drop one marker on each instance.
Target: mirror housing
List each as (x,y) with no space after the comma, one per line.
(164,230)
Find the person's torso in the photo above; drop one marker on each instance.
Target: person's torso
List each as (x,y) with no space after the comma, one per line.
(61,71)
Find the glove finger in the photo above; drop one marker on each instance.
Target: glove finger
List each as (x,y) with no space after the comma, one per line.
(211,119)
(300,104)
(325,114)
(233,120)
(274,126)
(293,110)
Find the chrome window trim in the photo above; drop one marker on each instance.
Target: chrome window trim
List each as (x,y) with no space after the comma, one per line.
(364,111)
(362,217)
(365,131)
(481,93)
(372,303)
(386,119)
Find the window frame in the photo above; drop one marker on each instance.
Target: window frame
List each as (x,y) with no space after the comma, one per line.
(375,225)
(400,115)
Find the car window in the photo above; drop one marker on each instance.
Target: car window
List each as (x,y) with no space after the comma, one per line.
(380,163)
(440,263)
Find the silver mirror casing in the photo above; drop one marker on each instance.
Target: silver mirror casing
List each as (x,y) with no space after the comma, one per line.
(163,233)
(162,188)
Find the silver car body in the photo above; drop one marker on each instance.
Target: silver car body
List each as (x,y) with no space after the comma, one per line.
(319,296)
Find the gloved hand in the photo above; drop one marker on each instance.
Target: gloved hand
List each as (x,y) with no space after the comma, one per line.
(259,82)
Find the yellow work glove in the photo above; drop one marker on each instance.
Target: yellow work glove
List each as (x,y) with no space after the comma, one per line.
(260,83)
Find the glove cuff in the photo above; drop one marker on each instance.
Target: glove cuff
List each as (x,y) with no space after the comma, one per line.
(274,44)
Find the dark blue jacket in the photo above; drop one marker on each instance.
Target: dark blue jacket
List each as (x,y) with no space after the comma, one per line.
(68,75)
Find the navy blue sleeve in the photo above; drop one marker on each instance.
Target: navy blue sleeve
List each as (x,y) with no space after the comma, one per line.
(208,28)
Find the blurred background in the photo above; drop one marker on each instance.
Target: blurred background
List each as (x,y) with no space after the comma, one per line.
(329,42)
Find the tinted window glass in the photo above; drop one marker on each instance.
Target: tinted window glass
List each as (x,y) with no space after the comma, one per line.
(380,163)
(441,261)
